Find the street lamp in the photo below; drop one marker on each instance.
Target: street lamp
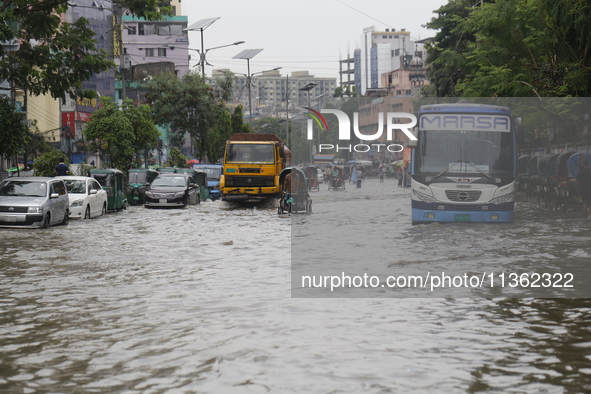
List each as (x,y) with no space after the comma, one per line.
(203,53)
(248,54)
(307,88)
(202,25)
(249,83)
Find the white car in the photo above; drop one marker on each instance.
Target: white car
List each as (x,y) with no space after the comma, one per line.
(87,197)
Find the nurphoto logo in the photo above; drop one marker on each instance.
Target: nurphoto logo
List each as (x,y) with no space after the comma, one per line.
(392,119)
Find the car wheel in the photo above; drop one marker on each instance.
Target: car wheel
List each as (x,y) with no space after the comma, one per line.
(87,212)
(47,221)
(66,219)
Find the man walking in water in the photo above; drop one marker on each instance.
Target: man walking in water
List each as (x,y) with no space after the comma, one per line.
(584,181)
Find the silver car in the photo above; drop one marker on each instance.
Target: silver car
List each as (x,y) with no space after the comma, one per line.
(27,202)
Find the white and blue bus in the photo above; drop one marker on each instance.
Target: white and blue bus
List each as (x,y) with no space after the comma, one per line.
(464,163)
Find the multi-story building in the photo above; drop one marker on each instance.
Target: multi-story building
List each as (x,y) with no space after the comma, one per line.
(270,91)
(382,52)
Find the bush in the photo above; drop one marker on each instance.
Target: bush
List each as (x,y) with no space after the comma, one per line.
(45,164)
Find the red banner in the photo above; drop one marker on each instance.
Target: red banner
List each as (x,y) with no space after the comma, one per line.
(68,120)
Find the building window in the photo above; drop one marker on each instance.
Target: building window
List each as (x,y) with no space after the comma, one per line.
(147,29)
(131,30)
(149,52)
(161,52)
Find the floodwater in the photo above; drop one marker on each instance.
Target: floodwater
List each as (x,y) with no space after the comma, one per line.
(201,300)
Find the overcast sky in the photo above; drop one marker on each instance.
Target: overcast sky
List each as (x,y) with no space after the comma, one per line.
(299,35)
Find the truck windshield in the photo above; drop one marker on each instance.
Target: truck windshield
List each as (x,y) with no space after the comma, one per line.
(250,153)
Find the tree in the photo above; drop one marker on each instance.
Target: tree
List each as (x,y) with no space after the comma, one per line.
(189,105)
(446,55)
(50,55)
(145,134)
(13,132)
(511,48)
(54,56)
(176,158)
(111,134)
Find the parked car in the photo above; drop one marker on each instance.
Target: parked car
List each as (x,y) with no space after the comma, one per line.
(27,202)
(172,190)
(87,197)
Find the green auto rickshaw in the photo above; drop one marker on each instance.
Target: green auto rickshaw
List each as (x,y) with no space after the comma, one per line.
(138,181)
(113,181)
(200,178)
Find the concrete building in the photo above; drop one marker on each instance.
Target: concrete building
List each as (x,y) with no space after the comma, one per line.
(270,91)
(381,52)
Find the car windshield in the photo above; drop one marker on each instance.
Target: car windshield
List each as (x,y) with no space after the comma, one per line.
(169,181)
(23,189)
(75,186)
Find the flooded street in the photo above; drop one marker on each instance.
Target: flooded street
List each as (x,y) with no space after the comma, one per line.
(203,299)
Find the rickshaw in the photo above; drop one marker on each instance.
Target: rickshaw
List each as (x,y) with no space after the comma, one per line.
(563,194)
(573,163)
(112,180)
(294,198)
(523,172)
(138,180)
(337,180)
(547,170)
(312,176)
(534,186)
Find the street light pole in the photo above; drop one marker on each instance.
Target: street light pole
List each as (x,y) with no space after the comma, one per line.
(203,53)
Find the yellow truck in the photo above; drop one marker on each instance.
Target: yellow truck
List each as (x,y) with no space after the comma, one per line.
(252,165)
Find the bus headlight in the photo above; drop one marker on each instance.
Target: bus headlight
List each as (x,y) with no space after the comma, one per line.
(502,199)
(424,197)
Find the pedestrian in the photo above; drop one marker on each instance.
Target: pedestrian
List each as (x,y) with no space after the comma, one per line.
(584,182)
(400,176)
(62,169)
(353,175)
(381,173)
(359,176)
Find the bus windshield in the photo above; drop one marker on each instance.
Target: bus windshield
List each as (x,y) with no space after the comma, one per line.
(465,153)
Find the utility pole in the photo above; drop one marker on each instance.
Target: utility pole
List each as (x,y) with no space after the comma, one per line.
(118,49)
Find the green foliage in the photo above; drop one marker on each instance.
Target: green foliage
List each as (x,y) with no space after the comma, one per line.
(45,164)
(189,105)
(514,48)
(238,125)
(54,56)
(13,132)
(111,133)
(176,158)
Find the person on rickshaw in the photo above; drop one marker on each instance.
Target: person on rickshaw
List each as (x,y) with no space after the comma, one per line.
(292,186)
(311,174)
(336,177)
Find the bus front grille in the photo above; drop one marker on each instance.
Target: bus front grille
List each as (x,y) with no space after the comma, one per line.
(463,195)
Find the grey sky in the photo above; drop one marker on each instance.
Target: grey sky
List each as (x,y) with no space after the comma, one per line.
(299,35)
